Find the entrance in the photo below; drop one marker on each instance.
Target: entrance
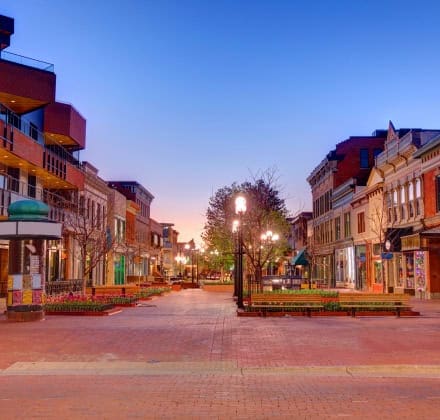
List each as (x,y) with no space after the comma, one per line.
(120,270)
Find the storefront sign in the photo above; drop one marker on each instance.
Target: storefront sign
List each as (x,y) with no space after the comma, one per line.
(387,255)
(411,242)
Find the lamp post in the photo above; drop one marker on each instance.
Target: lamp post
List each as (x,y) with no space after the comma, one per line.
(268,238)
(235,224)
(240,210)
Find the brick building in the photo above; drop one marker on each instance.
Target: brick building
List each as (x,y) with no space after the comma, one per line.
(351,159)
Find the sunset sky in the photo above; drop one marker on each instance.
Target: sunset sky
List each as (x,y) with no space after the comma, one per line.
(188,96)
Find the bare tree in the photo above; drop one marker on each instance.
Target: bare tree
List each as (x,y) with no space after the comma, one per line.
(378,220)
(89,228)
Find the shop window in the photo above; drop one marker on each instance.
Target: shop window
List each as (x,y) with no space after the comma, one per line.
(377,249)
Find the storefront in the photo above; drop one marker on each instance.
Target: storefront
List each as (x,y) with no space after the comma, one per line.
(414,270)
(345,267)
(361,267)
(323,270)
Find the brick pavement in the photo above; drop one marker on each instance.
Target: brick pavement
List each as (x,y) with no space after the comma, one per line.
(187,355)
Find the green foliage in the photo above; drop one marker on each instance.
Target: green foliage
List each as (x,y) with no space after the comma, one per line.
(77,306)
(323,293)
(332,306)
(266,210)
(151,291)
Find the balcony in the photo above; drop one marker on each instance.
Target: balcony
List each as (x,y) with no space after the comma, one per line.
(64,125)
(22,145)
(13,189)
(25,84)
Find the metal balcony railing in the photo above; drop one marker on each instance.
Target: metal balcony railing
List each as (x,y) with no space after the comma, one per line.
(27,61)
(55,155)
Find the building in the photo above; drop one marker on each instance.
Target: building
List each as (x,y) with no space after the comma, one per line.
(404,202)
(156,243)
(40,143)
(169,250)
(351,159)
(297,240)
(116,258)
(139,258)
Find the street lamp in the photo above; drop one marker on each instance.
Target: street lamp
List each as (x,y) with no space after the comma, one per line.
(240,210)
(235,224)
(269,238)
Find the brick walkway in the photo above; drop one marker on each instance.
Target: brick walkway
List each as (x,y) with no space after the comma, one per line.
(187,355)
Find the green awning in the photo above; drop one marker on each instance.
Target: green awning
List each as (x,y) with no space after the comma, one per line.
(300,258)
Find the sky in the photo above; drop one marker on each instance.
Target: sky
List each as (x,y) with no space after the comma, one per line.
(188,96)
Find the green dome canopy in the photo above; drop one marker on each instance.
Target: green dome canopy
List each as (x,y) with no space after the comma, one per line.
(28,210)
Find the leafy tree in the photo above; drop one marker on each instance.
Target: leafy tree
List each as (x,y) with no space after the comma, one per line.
(266,210)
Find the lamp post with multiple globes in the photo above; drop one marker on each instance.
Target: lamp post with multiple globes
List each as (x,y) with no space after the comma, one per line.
(240,210)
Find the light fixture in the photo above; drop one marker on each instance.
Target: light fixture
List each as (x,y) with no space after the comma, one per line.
(240,205)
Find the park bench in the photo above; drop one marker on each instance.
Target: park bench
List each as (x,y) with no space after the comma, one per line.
(285,301)
(118,290)
(359,301)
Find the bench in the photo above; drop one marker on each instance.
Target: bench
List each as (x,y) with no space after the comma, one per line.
(269,301)
(118,290)
(359,301)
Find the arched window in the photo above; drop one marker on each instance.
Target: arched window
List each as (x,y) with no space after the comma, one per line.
(418,188)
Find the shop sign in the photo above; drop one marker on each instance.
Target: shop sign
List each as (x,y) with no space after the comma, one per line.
(387,255)
(410,243)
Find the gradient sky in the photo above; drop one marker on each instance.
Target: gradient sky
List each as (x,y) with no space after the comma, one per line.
(188,96)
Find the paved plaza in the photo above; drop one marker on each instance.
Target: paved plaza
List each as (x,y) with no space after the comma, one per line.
(187,355)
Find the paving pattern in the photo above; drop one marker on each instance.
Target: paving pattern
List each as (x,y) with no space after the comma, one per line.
(186,355)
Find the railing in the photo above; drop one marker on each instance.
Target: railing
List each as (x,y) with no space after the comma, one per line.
(27,61)
(52,152)
(64,287)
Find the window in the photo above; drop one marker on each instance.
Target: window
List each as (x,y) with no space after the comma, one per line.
(418,188)
(402,202)
(347,229)
(14,179)
(437,185)
(32,184)
(337,228)
(411,191)
(364,159)
(361,222)
(418,195)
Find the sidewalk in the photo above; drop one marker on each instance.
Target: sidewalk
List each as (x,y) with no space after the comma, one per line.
(187,355)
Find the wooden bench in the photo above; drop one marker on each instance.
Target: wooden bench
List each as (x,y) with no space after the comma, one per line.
(118,290)
(306,303)
(359,301)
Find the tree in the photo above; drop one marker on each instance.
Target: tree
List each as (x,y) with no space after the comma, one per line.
(89,229)
(266,210)
(378,219)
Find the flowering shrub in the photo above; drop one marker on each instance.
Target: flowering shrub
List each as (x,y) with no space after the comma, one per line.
(151,291)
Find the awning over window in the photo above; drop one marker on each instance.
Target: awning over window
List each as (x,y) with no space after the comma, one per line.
(394,234)
(300,258)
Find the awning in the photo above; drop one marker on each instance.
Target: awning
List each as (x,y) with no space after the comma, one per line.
(394,235)
(300,258)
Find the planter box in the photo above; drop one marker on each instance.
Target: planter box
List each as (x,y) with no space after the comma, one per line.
(85,313)
(219,288)
(176,287)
